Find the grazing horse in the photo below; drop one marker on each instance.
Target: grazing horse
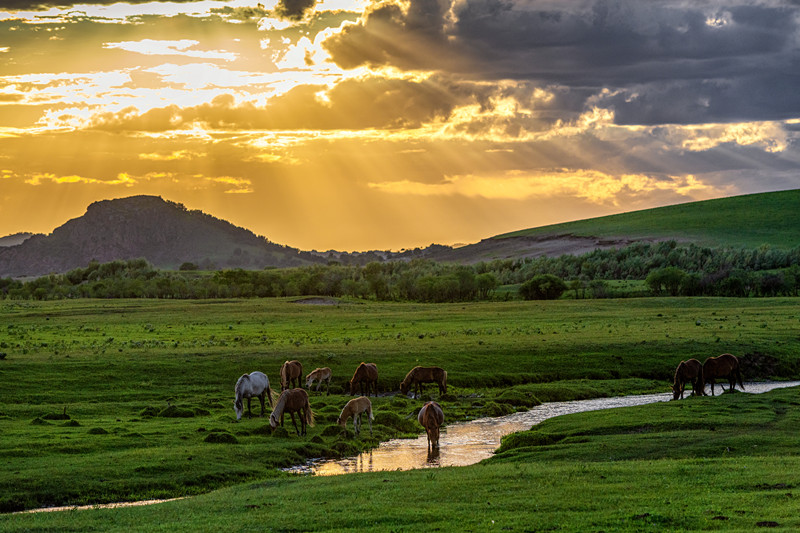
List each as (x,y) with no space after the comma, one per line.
(291,374)
(355,408)
(431,417)
(687,371)
(248,386)
(365,373)
(424,374)
(319,375)
(725,365)
(292,401)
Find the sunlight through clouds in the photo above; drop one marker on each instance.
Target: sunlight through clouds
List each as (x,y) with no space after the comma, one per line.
(594,186)
(437,109)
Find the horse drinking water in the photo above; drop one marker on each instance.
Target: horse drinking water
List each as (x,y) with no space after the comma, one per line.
(687,371)
(365,373)
(248,386)
(725,365)
(291,374)
(355,408)
(431,417)
(424,374)
(292,401)
(319,375)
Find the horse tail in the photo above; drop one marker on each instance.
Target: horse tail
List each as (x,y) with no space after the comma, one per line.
(444,380)
(309,414)
(271,397)
(371,416)
(739,377)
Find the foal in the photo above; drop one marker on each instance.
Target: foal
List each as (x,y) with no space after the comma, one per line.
(355,408)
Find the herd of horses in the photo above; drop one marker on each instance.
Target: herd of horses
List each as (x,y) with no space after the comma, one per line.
(293,399)
(701,374)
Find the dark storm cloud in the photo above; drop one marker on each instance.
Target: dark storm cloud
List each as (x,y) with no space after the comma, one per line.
(293,9)
(735,61)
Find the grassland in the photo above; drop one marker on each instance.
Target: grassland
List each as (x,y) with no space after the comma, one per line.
(147,389)
(747,221)
(706,464)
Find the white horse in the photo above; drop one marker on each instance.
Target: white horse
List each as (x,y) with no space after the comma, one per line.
(248,386)
(319,375)
(355,408)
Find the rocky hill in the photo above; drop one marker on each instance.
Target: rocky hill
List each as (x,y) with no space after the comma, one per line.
(164,233)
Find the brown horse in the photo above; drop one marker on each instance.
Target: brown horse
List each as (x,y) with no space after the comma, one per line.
(424,374)
(292,401)
(291,374)
(365,373)
(725,365)
(355,408)
(690,371)
(431,417)
(319,375)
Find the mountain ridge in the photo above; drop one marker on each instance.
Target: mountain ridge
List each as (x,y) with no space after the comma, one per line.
(167,234)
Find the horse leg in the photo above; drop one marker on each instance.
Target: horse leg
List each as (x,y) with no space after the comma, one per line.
(295,423)
(261,397)
(357,423)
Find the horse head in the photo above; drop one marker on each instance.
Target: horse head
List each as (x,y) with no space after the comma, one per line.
(238,407)
(403,388)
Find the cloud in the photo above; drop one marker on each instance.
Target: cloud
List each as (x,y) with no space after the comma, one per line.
(711,61)
(294,9)
(349,105)
(594,186)
(160,47)
(42,5)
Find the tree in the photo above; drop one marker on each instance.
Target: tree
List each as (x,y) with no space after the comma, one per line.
(543,287)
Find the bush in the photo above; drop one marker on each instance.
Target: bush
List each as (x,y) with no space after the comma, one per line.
(543,287)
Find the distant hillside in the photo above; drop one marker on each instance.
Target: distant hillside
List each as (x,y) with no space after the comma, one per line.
(13,240)
(747,221)
(165,233)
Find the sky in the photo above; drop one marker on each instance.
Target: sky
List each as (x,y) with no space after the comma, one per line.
(364,124)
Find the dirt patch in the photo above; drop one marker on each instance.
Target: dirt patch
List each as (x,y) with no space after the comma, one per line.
(538,246)
(316,301)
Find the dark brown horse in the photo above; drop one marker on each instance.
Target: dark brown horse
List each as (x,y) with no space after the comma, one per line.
(690,371)
(424,374)
(365,373)
(725,365)
(291,374)
(431,417)
(292,401)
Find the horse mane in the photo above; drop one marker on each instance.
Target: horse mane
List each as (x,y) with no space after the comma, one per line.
(238,389)
(280,404)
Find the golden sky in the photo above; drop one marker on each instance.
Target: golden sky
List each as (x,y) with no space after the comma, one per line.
(360,124)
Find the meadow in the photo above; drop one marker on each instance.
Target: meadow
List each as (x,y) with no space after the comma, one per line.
(115,400)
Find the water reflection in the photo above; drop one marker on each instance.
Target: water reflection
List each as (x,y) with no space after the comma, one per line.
(467,443)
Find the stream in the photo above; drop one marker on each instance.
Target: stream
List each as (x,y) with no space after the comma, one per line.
(460,444)
(467,443)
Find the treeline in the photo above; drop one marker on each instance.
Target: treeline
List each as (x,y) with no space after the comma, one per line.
(667,268)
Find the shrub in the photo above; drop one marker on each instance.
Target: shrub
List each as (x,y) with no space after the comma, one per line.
(543,287)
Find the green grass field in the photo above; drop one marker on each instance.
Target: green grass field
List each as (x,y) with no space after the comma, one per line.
(766,218)
(148,387)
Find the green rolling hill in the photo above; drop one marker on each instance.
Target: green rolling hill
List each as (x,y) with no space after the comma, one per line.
(746,221)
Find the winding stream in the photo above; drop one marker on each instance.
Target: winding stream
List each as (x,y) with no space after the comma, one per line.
(460,444)
(467,443)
